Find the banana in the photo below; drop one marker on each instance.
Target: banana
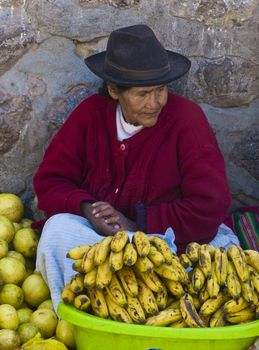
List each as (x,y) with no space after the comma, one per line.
(77,265)
(128,280)
(167,271)
(88,259)
(185,261)
(203,294)
(179,324)
(205,259)
(135,310)
(116,260)
(116,292)
(142,243)
(234,253)
(198,279)
(77,283)
(189,312)
(98,302)
(78,251)
(104,274)
(155,256)
(189,287)
(234,305)
(162,298)
(164,318)
(130,254)
(252,258)
(248,291)
(221,265)
(180,270)
(192,250)
(119,240)
(233,282)
(175,304)
(67,295)
(102,250)
(90,278)
(147,298)
(211,249)
(163,248)
(212,305)
(213,286)
(117,312)
(82,302)
(254,275)
(174,287)
(143,264)
(245,315)
(196,302)
(217,319)
(151,279)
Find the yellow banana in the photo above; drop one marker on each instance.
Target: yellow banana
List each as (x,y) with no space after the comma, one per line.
(241,316)
(203,294)
(189,312)
(104,274)
(116,260)
(163,248)
(142,243)
(88,259)
(77,283)
(77,265)
(151,279)
(147,298)
(164,318)
(233,282)
(192,250)
(252,258)
(196,302)
(234,305)
(221,265)
(117,312)
(130,254)
(78,251)
(135,310)
(248,291)
(67,295)
(143,264)
(174,287)
(82,302)
(119,240)
(98,302)
(179,324)
(179,269)
(212,305)
(239,262)
(167,271)
(217,319)
(254,277)
(213,286)
(189,287)
(102,250)
(155,256)
(128,280)
(116,292)
(205,260)
(198,278)
(211,249)
(162,298)
(90,278)
(185,261)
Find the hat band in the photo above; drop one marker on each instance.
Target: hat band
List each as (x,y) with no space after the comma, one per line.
(135,74)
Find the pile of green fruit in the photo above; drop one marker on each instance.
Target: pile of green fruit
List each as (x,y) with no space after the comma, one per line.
(27,318)
(144,282)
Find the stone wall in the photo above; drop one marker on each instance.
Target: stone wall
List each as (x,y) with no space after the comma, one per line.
(43,77)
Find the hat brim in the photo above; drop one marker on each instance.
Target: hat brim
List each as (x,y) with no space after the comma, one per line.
(179,65)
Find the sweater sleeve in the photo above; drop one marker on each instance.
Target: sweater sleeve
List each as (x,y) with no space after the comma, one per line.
(205,195)
(57,180)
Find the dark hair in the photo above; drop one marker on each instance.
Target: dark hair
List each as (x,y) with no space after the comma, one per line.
(103,90)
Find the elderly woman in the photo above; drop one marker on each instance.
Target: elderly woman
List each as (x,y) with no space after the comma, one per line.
(134,157)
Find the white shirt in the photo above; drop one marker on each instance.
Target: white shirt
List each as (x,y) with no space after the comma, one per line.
(124,129)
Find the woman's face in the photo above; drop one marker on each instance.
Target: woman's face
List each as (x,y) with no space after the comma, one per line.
(141,105)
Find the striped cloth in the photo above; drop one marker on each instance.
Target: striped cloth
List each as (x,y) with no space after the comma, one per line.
(246,227)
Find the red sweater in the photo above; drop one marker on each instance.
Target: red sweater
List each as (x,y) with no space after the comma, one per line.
(172,174)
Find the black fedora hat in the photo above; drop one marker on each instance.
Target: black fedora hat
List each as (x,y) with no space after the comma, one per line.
(135,57)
